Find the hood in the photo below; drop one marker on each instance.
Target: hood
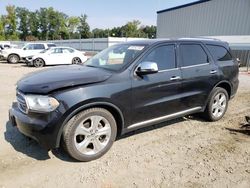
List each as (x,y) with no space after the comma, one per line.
(45,81)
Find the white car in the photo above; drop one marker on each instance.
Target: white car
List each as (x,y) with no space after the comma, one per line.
(56,56)
(14,55)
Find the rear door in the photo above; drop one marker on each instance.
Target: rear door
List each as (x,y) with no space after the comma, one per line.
(199,74)
(56,57)
(157,95)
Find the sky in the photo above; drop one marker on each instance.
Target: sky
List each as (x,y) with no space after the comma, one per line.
(102,13)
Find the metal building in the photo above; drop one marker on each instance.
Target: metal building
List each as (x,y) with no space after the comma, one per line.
(221,19)
(205,18)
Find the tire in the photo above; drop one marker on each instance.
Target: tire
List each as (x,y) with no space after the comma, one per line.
(38,62)
(13,58)
(89,134)
(217,104)
(76,60)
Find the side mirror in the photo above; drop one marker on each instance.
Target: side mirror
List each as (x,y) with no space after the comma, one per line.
(147,67)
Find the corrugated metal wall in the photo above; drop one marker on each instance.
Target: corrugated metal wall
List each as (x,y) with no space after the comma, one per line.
(215,17)
(243,55)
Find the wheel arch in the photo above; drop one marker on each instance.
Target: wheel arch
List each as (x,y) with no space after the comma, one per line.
(41,59)
(14,54)
(225,85)
(113,109)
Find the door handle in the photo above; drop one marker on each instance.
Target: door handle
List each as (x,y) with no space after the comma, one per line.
(213,71)
(175,78)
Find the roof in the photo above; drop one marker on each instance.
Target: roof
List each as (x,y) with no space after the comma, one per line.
(152,41)
(182,6)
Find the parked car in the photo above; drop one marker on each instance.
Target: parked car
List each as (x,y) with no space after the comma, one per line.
(56,56)
(123,88)
(14,55)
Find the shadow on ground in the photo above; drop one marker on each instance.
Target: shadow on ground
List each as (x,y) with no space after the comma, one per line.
(24,144)
(244,127)
(30,147)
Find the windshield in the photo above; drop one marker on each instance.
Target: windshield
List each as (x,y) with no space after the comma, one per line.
(115,57)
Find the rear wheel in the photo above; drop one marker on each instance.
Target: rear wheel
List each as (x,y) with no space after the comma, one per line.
(13,58)
(89,134)
(217,104)
(39,62)
(76,60)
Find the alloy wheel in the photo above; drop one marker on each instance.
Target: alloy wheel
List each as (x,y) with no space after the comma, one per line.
(92,135)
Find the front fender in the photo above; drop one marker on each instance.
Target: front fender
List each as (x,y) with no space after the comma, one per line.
(80,107)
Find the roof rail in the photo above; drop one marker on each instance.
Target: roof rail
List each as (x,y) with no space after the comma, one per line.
(199,38)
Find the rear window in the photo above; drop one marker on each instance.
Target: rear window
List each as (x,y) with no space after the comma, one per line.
(51,45)
(219,53)
(38,47)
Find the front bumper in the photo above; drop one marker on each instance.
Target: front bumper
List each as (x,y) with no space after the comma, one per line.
(2,57)
(40,127)
(28,61)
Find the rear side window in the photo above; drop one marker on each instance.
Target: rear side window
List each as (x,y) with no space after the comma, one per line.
(192,54)
(164,56)
(51,45)
(219,53)
(38,47)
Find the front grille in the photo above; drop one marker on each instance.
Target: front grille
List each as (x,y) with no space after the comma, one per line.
(21,102)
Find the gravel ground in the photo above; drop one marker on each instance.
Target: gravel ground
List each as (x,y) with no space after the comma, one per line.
(187,152)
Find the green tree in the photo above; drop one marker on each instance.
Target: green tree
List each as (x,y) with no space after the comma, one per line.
(43,23)
(56,24)
(23,17)
(98,33)
(83,27)
(11,23)
(72,24)
(2,36)
(34,24)
(131,29)
(150,31)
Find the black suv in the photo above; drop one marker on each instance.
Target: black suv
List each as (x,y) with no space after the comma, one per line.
(123,88)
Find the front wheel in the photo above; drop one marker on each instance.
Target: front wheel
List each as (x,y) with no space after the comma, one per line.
(217,104)
(89,134)
(76,60)
(39,62)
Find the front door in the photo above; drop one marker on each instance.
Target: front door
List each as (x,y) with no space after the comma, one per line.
(157,95)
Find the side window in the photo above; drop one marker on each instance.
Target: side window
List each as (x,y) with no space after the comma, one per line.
(219,53)
(192,54)
(164,56)
(30,47)
(57,51)
(67,50)
(51,45)
(39,47)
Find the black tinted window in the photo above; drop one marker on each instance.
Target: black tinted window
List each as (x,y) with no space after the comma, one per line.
(39,47)
(220,53)
(164,56)
(192,54)
(51,45)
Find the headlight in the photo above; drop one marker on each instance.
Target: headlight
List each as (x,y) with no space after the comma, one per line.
(40,103)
